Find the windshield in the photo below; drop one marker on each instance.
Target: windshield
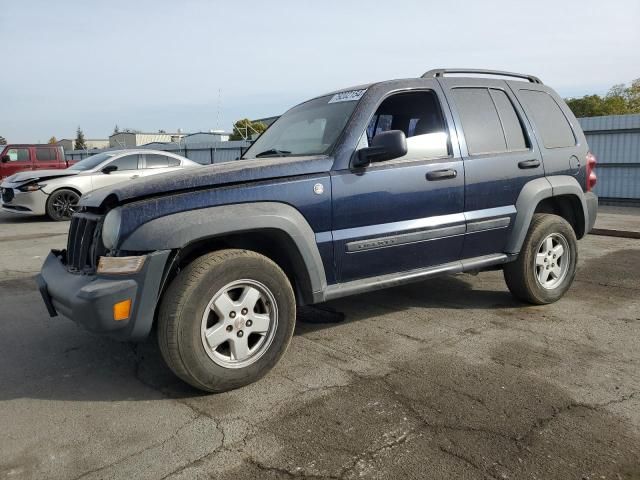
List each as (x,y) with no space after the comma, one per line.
(91,162)
(311,128)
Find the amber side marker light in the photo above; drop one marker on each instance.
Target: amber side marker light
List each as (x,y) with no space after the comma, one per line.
(122,310)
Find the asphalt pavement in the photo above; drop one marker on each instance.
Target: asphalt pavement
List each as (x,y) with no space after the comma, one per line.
(448,378)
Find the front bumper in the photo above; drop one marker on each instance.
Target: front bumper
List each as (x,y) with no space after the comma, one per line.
(592,210)
(26,203)
(88,299)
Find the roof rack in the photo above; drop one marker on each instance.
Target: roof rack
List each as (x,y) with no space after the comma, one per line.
(440,72)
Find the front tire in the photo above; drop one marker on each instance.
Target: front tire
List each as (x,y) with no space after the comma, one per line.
(226,320)
(62,204)
(546,265)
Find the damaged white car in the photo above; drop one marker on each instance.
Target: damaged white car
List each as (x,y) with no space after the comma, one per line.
(55,193)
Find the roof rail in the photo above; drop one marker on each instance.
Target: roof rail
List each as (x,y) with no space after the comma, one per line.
(440,72)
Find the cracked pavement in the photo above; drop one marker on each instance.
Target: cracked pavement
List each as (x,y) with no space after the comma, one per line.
(449,378)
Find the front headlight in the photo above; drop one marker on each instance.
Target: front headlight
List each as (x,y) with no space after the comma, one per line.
(120,264)
(32,187)
(111,228)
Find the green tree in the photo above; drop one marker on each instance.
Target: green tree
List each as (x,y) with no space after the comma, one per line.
(53,140)
(245,129)
(3,141)
(79,143)
(619,100)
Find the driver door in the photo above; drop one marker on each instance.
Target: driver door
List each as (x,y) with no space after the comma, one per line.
(129,167)
(406,213)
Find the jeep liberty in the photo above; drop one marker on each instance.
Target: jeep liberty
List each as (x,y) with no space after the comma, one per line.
(360,189)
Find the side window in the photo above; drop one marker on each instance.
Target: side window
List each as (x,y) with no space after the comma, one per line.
(480,121)
(45,154)
(130,162)
(174,162)
(551,124)
(18,154)
(511,124)
(156,161)
(489,121)
(419,116)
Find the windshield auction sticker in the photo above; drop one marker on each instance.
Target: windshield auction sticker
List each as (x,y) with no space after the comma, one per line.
(350,96)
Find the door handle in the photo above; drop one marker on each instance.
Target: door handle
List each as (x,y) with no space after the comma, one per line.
(134,176)
(529,163)
(442,174)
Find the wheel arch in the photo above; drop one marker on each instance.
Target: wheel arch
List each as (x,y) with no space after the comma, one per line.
(275,230)
(561,195)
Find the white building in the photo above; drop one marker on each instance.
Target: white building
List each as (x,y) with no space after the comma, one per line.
(135,139)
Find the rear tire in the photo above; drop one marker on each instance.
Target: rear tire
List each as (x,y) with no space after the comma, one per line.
(546,265)
(62,204)
(226,320)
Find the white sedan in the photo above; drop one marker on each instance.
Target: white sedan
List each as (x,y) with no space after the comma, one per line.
(55,193)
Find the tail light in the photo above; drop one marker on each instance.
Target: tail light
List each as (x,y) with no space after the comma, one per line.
(591,171)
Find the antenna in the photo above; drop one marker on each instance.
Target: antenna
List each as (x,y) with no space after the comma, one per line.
(218,112)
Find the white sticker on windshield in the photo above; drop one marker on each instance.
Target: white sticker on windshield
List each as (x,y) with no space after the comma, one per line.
(350,96)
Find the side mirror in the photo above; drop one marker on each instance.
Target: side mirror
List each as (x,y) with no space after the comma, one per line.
(5,158)
(109,168)
(384,146)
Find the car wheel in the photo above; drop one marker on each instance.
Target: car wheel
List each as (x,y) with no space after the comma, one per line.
(62,204)
(546,266)
(226,320)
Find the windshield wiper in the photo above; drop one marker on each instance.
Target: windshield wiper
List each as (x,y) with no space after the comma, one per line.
(273,152)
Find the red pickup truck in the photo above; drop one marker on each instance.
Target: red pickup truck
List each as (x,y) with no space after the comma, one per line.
(19,157)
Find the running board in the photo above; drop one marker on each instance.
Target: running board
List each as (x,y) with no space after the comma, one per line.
(395,279)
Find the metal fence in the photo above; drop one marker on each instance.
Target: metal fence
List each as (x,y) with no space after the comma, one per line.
(615,141)
(204,153)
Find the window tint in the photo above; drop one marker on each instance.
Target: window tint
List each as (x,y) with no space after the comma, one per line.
(551,124)
(419,116)
(513,132)
(18,154)
(45,154)
(130,162)
(173,162)
(480,121)
(156,161)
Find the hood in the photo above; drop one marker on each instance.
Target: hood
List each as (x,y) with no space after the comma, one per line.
(31,175)
(239,171)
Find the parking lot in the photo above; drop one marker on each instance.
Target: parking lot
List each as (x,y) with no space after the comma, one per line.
(449,378)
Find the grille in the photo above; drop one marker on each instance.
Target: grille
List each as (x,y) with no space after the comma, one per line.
(7,194)
(84,235)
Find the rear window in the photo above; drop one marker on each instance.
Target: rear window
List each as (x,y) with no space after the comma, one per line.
(45,154)
(550,122)
(489,121)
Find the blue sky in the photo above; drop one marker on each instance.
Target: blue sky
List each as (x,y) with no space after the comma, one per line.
(161,64)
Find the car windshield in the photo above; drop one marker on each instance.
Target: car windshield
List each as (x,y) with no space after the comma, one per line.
(311,128)
(91,162)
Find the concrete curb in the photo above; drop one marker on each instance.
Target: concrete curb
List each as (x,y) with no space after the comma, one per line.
(615,233)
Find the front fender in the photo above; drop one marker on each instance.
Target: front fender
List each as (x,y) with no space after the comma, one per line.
(178,230)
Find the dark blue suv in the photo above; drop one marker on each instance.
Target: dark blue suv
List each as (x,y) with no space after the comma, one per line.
(364,188)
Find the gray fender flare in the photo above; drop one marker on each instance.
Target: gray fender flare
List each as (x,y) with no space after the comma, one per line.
(177,230)
(531,195)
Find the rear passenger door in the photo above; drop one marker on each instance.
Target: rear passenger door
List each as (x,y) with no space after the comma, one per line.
(155,163)
(46,158)
(500,157)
